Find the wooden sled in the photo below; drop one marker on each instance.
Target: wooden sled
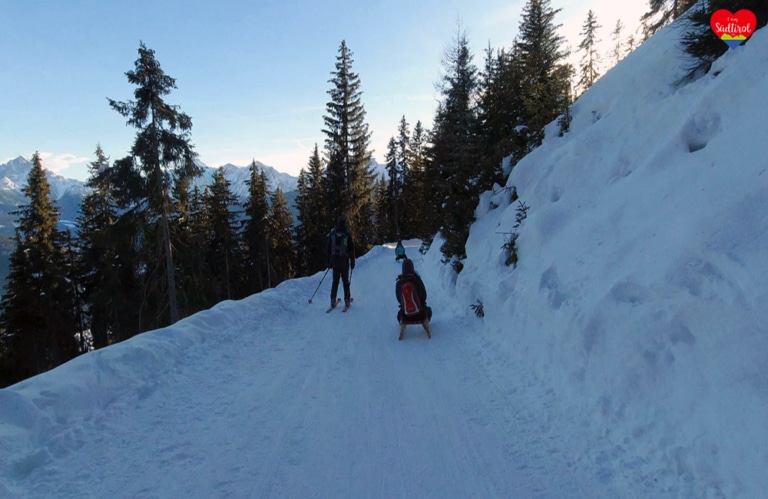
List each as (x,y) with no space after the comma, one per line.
(405,323)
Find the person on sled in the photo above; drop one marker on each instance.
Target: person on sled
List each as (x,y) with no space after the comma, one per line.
(399,251)
(411,294)
(341,256)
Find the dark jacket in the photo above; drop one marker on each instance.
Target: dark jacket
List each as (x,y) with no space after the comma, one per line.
(348,253)
(410,274)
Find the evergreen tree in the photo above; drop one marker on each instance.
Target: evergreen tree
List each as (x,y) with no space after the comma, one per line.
(590,60)
(98,262)
(282,252)
(499,112)
(255,232)
(193,234)
(416,192)
(391,232)
(631,43)
(663,12)
(38,327)
(403,149)
(134,299)
(454,153)
(383,217)
(161,154)
(403,161)
(348,176)
(222,242)
(312,227)
(617,49)
(545,77)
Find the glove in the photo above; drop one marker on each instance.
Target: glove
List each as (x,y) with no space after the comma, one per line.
(352,264)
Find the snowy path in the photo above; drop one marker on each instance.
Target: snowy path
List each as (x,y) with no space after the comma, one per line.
(293,402)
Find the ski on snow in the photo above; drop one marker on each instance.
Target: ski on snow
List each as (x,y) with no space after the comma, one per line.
(338,300)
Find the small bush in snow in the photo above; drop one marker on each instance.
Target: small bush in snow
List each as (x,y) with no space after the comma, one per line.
(478,309)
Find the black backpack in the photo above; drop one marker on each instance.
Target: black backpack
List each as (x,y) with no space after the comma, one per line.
(339,241)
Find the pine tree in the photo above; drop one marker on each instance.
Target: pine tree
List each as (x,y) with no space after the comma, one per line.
(403,161)
(617,49)
(282,252)
(193,232)
(631,43)
(311,230)
(98,256)
(545,77)
(255,232)
(392,231)
(403,148)
(663,12)
(220,205)
(590,60)
(38,327)
(454,153)
(383,214)
(348,176)
(499,112)
(416,192)
(161,153)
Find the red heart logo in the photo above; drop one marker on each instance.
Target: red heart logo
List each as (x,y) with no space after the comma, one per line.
(731,28)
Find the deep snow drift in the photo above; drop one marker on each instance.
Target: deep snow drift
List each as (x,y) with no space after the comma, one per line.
(623,357)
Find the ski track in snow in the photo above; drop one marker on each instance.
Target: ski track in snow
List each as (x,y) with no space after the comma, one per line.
(294,402)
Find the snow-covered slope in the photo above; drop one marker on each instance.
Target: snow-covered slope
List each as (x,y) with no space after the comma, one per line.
(623,357)
(640,297)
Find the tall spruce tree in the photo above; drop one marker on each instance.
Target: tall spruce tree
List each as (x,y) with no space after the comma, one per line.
(453,169)
(282,251)
(312,227)
(222,245)
(416,192)
(618,44)
(545,76)
(499,112)
(98,256)
(404,158)
(349,177)
(38,326)
(255,242)
(383,212)
(394,175)
(197,291)
(662,12)
(589,69)
(161,154)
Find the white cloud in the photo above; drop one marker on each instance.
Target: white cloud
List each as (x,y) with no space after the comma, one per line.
(59,162)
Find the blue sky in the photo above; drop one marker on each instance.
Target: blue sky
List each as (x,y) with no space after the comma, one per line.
(253,75)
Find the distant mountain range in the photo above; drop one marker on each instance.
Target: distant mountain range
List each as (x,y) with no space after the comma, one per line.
(68,194)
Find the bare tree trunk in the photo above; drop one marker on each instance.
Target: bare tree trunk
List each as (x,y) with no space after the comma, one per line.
(170,272)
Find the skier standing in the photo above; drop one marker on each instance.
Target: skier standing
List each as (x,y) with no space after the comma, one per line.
(341,256)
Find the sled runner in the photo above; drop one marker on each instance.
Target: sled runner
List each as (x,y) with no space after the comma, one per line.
(405,322)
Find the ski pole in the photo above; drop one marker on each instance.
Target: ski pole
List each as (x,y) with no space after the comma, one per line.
(318,286)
